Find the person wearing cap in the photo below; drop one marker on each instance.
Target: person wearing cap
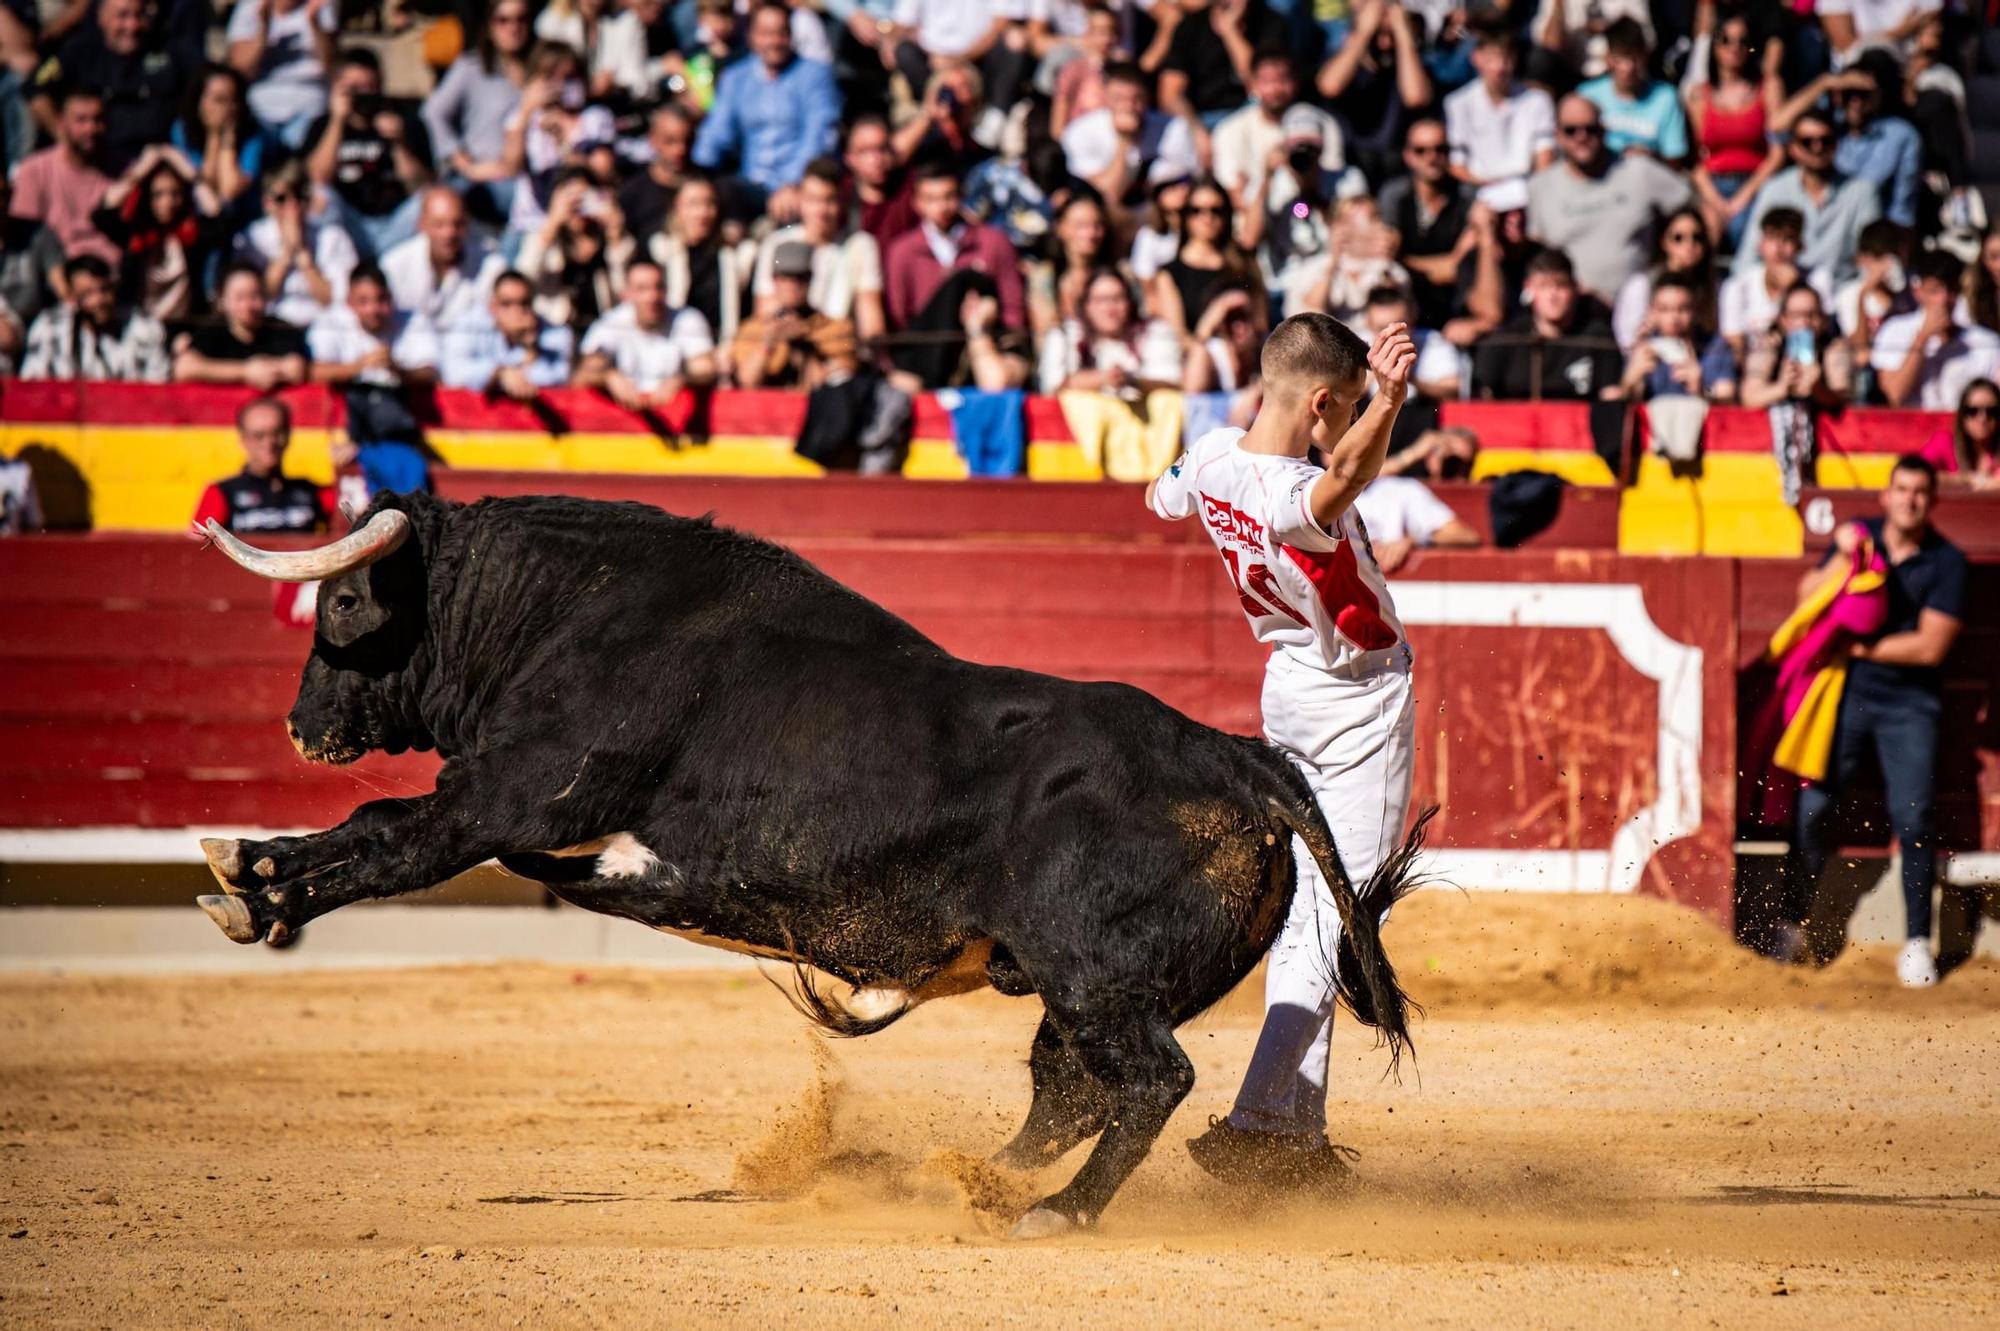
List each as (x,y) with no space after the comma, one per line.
(1251,143)
(1125,143)
(846,278)
(791,345)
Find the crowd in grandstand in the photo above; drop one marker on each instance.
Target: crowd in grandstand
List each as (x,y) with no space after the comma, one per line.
(1756,203)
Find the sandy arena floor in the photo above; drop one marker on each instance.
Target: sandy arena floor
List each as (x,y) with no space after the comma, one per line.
(1615,1117)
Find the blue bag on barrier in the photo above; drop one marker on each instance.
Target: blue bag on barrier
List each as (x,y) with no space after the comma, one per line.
(990,429)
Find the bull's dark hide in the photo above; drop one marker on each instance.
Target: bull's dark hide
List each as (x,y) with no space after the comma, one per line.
(731,744)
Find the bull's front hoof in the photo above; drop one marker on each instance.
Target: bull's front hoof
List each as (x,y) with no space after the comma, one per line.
(225,860)
(1042,1223)
(232,916)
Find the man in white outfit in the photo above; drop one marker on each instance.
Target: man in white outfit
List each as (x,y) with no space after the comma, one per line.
(1336,690)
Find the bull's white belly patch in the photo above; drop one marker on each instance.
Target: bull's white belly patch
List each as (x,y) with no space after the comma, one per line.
(620,855)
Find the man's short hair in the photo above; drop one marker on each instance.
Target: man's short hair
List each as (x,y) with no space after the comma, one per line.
(1550,262)
(1315,349)
(239,267)
(1124,71)
(1879,238)
(357,57)
(644,261)
(1783,221)
(265,400)
(73,92)
(367,272)
(1918,463)
(934,168)
(1387,294)
(1275,53)
(826,170)
(868,120)
(1491,29)
(1627,37)
(86,265)
(516,275)
(1675,282)
(1820,118)
(1938,265)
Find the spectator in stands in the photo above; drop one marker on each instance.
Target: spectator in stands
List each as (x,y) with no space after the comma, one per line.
(367,340)
(1926,358)
(1882,149)
(1889,711)
(1640,114)
(244,345)
(374,157)
(1674,356)
(611,44)
(1110,349)
(1853,24)
(1500,132)
(1833,206)
(1880,289)
(1403,516)
(1934,100)
(261,499)
(1436,455)
(441,273)
(466,114)
(789,343)
(1158,238)
(167,226)
(13,336)
(1210,262)
(1054,286)
(642,354)
(1749,297)
(1982,284)
(937,275)
(1730,107)
(577,256)
(647,196)
(1205,66)
(1124,144)
(90,336)
(1378,83)
(513,353)
(1248,145)
(1079,84)
(1599,209)
(1797,357)
(1357,261)
(218,134)
(846,278)
(774,113)
(61,186)
(1427,210)
(1681,245)
(1291,228)
(305,259)
(1576,32)
(113,54)
(882,189)
(1224,352)
(979,33)
(284,50)
(1548,350)
(1967,452)
(555,133)
(937,127)
(1439,371)
(704,271)
(31,260)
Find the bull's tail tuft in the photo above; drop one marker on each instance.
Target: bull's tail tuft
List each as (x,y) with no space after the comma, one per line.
(1364,978)
(827,1011)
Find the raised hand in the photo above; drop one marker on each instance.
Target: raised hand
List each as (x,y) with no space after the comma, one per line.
(1391,359)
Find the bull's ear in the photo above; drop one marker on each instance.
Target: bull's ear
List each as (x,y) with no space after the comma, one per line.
(347,612)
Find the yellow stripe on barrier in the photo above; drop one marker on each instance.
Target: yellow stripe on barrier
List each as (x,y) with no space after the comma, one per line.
(1576,468)
(1733,505)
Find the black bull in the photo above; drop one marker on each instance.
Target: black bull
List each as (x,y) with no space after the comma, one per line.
(697,730)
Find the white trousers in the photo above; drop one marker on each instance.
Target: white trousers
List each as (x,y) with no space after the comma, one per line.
(1355,740)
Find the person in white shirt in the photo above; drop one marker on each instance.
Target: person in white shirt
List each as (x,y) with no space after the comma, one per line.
(1109,350)
(1248,144)
(440,273)
(1401,516)
(1748,300)
(1441,368)
(511,352)
(846,273)
(1851,25)
(366,340)
(1926,359)
(641,353)
(283,49)
(306,259)
(1336,699)
(1499,131)
(1126,143)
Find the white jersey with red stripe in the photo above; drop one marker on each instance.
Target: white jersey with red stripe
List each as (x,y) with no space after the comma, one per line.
(1315,596)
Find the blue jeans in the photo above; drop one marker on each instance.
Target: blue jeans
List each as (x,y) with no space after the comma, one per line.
(1729,186)
(1895,726)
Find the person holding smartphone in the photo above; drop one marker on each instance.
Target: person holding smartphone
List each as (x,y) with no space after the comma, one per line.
(1796,359)
(1674,356)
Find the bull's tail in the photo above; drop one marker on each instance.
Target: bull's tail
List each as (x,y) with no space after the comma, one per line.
(886,1006)
(1363,976)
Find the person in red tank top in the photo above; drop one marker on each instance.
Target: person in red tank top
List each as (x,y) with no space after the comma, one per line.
(1730,112)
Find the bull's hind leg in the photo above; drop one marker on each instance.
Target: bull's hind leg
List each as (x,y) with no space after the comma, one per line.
(1128,1045)
(1069,1103)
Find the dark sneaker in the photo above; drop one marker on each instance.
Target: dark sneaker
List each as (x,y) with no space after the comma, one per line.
(1273,1161)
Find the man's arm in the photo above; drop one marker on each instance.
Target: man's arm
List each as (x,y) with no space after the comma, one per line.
(1925,645)
(1357,458)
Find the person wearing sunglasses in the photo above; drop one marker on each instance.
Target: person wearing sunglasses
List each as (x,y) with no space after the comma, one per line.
(1599,209)
(1834,206)
(1883,149)
(1429,210)
(1732,90)
(1681,245)
(306,259)
(1967,452)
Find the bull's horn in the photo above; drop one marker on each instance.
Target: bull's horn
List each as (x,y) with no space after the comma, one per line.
(358,549)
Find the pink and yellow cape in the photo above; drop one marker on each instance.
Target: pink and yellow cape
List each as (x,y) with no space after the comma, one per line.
(1810,651)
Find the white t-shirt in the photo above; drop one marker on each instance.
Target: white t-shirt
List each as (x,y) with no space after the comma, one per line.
(1949,363)
(1874,18)
(1744,308)
(1395,507)
(1314,596)
(290,80)
(1154,355)
(1089,142)
(333,254)
(649,358)
(951,27)
(337,338)
(447,301)
(841,270)
(1498,143)
(1244,139)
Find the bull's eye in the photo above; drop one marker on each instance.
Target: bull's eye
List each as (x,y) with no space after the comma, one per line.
(346,602)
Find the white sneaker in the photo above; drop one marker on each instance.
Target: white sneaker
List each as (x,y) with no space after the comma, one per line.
(1915,966)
